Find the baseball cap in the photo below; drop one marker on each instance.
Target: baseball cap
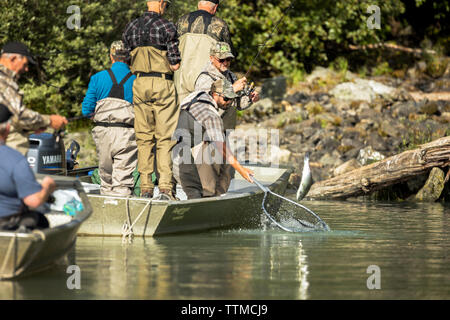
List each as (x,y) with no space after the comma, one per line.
(118,49)
(221,50)
(224,87)
(18,48)
(5,114)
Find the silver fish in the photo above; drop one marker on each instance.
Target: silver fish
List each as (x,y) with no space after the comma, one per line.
(307,179)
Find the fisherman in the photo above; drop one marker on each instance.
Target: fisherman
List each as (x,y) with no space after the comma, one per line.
(14,60)
(20,193)
(219,68)
(198,32)
(204,159)
(153,43)
(109,100)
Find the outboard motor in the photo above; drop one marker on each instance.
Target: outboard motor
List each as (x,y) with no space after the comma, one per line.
(46,154)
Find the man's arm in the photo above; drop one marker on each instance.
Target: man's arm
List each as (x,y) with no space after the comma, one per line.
(173,52)
(90,100)
(35,200)
(230,159)
(28,189)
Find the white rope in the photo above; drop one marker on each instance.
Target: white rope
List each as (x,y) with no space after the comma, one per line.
(127,228)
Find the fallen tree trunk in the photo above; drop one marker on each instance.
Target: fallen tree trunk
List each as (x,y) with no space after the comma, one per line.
(392,46)
(387,172)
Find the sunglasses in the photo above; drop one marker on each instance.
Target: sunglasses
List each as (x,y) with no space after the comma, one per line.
(226,99)
(223,60)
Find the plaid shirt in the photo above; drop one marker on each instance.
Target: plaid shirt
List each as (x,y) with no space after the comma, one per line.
(162,32)
(207,115)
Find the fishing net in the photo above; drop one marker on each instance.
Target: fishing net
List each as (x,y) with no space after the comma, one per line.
(289,215)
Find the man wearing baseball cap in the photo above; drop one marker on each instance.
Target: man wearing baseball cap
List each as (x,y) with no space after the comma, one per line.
(198,31)
(201,156)
(20,193)
(14,60)
(218,67)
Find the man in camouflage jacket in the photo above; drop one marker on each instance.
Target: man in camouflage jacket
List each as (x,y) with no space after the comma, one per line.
(14,59)
(198,31)
(204,21)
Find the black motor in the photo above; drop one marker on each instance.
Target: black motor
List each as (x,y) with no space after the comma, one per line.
(47,155)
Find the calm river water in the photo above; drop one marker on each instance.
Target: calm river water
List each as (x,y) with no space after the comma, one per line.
(401,251)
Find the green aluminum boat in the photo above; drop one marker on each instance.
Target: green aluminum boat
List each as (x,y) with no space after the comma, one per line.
(22,253)
(127,217)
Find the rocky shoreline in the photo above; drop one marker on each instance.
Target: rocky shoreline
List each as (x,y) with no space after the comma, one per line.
(346,121)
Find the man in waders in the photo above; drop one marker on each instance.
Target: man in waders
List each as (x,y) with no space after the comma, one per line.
(20,193)
(109,100)
(218,68)
(203,158)
(153,44)
(198,32)
(14,60)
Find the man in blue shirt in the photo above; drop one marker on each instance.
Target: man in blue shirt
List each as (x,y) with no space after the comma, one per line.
(19,191)
(109,102)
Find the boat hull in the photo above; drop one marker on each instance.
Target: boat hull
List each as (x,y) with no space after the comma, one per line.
(25,253)
(240,207)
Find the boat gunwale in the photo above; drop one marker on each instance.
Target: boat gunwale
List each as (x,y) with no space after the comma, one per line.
(228,196)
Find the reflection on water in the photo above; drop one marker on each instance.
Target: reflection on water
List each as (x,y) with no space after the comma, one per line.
(409,242)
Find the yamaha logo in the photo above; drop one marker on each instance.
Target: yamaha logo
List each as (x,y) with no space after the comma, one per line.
(46,160)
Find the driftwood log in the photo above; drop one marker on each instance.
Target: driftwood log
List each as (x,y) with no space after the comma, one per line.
(387,172)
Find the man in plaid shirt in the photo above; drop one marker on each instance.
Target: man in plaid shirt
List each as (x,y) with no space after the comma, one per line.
(153,44)
(202,159)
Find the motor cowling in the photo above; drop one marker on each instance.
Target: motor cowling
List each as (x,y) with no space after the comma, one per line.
(46,154)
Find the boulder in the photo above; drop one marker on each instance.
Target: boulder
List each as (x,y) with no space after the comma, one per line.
(368,155)
(331,159)
(274,88)
(321,73)
(362,90)
(262,107)
(348,166)
(403,109)
(278,155)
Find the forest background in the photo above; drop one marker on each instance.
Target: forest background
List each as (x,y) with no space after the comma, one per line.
(71,39)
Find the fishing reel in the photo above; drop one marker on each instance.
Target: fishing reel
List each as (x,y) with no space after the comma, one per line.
(248,90)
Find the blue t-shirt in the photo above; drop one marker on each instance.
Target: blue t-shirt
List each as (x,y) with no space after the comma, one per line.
(100,86)
(17,181)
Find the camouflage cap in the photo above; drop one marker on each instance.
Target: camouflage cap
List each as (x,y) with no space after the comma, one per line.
(224,87)
(118,49)
(221,50)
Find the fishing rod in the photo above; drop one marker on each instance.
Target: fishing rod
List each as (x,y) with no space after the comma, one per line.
(291,6)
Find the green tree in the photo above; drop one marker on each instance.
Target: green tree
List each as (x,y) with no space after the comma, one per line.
(307,35)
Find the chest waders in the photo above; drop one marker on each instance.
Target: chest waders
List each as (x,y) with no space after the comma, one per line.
(197,179)
(194,48)
(155,107)
(115,140)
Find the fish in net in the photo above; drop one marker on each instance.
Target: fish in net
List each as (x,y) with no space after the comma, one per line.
(289,215)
